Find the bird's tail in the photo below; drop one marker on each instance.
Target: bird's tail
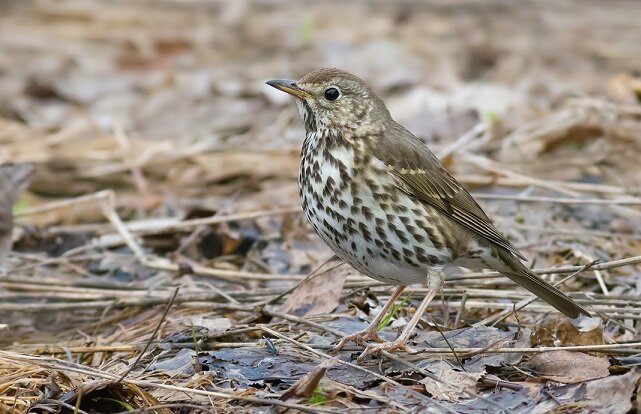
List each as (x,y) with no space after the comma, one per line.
(510,266)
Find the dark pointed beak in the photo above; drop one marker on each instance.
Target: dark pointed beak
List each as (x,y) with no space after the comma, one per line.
(288,86)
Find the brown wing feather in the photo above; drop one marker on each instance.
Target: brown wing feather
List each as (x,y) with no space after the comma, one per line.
(421,175)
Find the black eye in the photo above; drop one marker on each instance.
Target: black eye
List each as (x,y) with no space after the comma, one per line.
(332,94)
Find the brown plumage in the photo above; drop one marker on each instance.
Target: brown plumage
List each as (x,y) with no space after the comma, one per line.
(384,203)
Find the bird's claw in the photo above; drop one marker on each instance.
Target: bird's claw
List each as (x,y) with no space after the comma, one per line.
(394,346)
(359,338)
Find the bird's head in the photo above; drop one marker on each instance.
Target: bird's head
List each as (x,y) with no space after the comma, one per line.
(335,100)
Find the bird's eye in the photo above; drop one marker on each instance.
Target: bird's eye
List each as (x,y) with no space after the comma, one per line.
(332,94)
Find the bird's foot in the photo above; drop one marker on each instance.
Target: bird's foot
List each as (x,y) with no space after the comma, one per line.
(394,346)
(359,338)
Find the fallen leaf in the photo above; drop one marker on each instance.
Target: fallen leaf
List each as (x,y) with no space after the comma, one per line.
(564,127)
(317,295)
(212,325)
(181,363)
(556,329)
(456,384)
(568,367)
(305,386)
(613,394)
(468,337)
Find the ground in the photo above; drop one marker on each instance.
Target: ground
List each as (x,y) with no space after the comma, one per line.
(160,258)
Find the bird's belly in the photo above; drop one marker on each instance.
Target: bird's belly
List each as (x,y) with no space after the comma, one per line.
(375,227)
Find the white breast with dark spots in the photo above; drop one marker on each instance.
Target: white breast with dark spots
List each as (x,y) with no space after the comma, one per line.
(370,225)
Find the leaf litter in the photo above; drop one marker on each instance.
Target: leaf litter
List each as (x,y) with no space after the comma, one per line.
(145,154)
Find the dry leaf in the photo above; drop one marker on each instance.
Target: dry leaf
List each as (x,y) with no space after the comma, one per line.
(569,367)
(318,295)
(556,329)
(212,325)
(613,394)
(455,384)
(529,141)
(305,386)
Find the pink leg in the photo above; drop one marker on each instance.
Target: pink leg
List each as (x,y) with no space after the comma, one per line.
(371,332)
(400,344)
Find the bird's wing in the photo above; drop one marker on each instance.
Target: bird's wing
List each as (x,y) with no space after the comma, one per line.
(420,174)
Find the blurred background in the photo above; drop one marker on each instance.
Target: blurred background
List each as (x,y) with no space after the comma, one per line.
(532,104)
(165,101)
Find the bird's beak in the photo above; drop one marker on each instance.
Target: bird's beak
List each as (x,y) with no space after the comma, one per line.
(288,86)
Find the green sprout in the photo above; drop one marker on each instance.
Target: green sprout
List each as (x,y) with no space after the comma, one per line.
(21,205)
(318,397)
(195,339)
(388,318)
(492,116)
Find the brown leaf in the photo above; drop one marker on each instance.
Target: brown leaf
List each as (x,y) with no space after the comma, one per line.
(305,386)
(456,384)
(569,367)
(318,295)
(556,329)
(14,178)
(613,394)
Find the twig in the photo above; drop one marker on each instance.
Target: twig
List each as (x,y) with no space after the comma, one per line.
(433,377)
(519,198)
(622,348)
(360,368)
(121,303)
(522,304)
(449,345)
(109,210)
(461,309)
(151,408)
(62,404)
(61,204)
(462,141)
(309,323)
(597,273)
(569,188)
(171,224)
(233,276)
(314,273)
(586,348)
(54,363)
(561,269)
(152,336)
(601,104)
(558,232)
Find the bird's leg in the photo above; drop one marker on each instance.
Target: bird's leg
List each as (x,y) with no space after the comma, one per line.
(371,332)
(400,344)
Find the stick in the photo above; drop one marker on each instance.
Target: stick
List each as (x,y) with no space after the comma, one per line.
(153,335)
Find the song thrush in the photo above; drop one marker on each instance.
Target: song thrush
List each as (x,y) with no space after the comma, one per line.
(384,203)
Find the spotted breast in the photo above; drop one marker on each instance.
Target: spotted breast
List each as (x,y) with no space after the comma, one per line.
(366,221)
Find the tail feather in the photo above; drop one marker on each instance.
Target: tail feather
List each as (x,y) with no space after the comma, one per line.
(520,274)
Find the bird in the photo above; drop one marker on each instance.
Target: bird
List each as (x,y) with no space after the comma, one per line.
(384,203)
